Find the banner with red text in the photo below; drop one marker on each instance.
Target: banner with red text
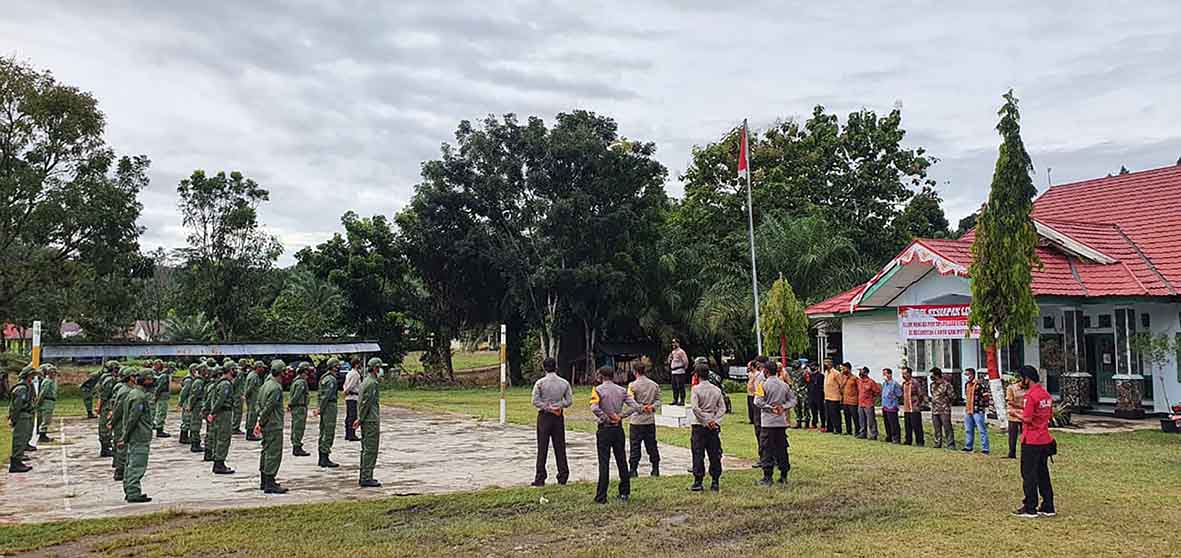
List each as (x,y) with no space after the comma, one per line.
(935,321)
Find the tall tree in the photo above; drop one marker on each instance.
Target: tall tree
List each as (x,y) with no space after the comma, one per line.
(308,307)
(229,254)
(1004,251)
(966,224)
(68,205)
(784,323)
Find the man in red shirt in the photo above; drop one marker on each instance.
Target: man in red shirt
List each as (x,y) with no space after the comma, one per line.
(1037,445)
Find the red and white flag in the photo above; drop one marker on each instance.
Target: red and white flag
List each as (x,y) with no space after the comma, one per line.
(743,165)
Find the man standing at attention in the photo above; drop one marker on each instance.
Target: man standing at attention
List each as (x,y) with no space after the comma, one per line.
(183,405)
(891,395)
(942,394)
(135,439)
(757,376)
(978,397)
(213,375)
(832,397)
(221,419)
(118,406)
(326,409)
(20,417)
(297,405)
(913,398)
(106,388)
(269,428)
(606,402)
(642,428)
(867,393)
(774,398)
(352,392)
(87,388)
(678,366)
(1014,407)
(849,399)
(240,395)
(551,395)
(195,404)
(1037,445)
(815,380)
(163,391)
(254,379)
(46,402)
(708,406)
(369,421)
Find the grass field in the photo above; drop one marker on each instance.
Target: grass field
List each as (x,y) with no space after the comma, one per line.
(461,360)
(1117,495)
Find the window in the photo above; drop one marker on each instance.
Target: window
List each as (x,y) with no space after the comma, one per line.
(923,354)
(1177,362)
(1073,342)
(1104,321)
(1048,322)
(1087,322)
(1145,321)
(1127,361)
(1009,358)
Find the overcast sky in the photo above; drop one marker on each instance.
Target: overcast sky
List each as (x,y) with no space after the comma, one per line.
(334,108)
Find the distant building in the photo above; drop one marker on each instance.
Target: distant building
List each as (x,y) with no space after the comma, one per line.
(1111,255)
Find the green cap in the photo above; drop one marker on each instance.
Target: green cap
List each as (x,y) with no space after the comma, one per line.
(243,362)
(192,368)
(333,363)
(305,365)
(126,372)
(375,362)
(278,365)
(112,364)
(25,372)
(48,369)
(157,362)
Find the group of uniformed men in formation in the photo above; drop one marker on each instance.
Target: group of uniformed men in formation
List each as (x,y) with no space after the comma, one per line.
(132,402)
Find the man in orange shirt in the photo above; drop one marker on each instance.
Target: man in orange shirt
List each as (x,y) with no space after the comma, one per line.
(832,397)
(849,398)
(867,393)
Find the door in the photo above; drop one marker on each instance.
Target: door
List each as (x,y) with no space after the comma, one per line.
(1101,357)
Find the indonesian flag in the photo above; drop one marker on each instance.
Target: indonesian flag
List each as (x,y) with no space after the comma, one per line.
(743,166)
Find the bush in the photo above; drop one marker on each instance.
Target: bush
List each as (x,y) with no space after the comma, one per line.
(1061,416)
(730,386)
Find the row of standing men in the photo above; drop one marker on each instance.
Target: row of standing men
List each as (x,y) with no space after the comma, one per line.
(215,398)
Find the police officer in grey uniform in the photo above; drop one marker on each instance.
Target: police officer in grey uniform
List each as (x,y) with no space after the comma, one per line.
(551,395)
(774,398)
(709,407)
(642,427)
(608,402)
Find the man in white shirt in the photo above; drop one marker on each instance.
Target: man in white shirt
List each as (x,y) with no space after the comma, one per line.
(678,364)
(352,393)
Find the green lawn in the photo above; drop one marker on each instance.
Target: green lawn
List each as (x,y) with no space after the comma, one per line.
(1117,495)
(461,360)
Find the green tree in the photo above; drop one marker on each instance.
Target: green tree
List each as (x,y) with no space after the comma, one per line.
(68,205)
(784,323)
(192,328)
(923,217)
(966,224)
(307,308)
(1004,251)
(229,255)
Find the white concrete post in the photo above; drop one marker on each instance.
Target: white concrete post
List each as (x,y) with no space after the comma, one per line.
(503,372)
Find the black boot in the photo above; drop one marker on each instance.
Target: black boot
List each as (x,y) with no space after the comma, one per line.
(297,451)
(783,477)
(325,462)
(656,469)
(141,499)
(369,483)
(119,474)
(208,455)
(42,438)
(16,466)
(89,415)
(195,447)
(160,433)
(635,472)
(183,438)
(766,480)
(219,468)
(713,485)
(104,451)
(696,484)
(272,486)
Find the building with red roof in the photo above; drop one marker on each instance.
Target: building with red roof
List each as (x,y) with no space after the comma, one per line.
(1110,250)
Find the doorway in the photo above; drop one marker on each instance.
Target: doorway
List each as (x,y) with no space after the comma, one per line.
(1100,355)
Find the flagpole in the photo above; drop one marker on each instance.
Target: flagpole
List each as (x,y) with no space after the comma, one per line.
(750,223)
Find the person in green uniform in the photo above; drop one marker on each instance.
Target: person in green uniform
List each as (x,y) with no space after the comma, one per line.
(87,388)
(369,421)
(20,417)
(118,405)
(195,400)
(163,389)
(213,373)
(46,402)
(297,405)
(326,410)
(183,404)
(135,440)
(106,388)
(254,380)
(221,409)
(240,395)
(269,404)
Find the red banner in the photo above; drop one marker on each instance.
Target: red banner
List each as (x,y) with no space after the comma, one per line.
(935,321)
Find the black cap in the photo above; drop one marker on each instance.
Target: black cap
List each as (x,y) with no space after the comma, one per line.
(1030,372)
(549,365)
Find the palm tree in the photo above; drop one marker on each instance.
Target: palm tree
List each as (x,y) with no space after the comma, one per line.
(195,327)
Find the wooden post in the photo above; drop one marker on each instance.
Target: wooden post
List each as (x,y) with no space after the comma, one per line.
(503,372)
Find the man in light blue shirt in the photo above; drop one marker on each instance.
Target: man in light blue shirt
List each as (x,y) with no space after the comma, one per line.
(891,398)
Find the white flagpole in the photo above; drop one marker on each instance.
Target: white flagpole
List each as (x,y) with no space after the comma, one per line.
(750,222)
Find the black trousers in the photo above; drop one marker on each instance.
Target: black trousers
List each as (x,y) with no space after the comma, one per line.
(609,440)
(914,428)
(833,412)
(752,412)
(679,388)
(1014,435)
(702,442)
(775,449)
(350,416)
(643,434)
(851,422)
(893,431)
(551,428)
(816,412)
(1035,477)
(758,424)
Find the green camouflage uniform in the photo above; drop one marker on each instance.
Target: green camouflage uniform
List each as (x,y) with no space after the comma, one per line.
(269,404)
(21,407)
(137,438)
(298,405)
(253,381)
(118,405)
(106,389)
(163,391)
(46,402)
(240,395)
(369,415)
(195,403)
(326,395)
(87,388)
(221,406)
(207,409)
(185,388)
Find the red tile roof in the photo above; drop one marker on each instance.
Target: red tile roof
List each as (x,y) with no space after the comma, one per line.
(1133,219)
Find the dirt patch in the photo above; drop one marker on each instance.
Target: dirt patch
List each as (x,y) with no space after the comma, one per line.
(92,545)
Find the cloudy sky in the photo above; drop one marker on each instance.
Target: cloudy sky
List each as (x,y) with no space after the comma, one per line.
(334,105)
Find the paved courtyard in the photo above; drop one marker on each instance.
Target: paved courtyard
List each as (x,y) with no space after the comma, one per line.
(420,453)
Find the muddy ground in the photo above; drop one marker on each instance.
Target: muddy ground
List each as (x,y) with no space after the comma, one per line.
(420,453)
